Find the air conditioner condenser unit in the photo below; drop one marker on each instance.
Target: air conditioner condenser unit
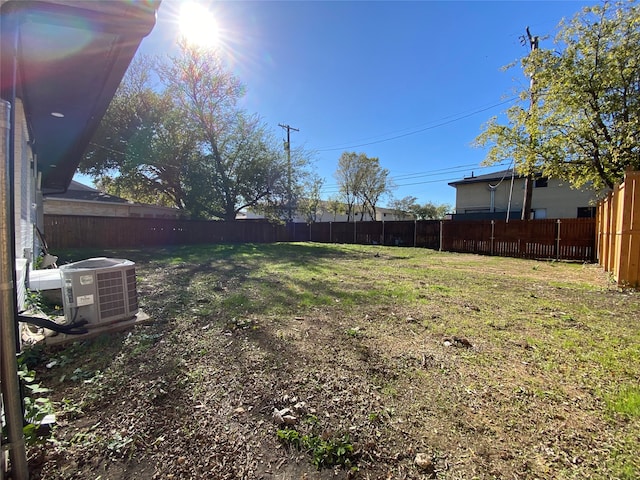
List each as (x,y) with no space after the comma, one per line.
(99,290)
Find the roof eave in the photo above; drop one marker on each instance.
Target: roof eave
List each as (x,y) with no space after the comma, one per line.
(82,81)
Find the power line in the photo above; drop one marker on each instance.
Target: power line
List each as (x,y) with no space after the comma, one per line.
(441,171)
(431,173)
(420,130)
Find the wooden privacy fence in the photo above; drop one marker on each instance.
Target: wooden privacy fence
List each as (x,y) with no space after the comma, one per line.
(618,231)
(560,239)
(68,231)
(567,239)
(397,233)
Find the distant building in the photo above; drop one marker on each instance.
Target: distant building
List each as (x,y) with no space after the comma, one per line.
(83,200)
(492,195)
(324,215)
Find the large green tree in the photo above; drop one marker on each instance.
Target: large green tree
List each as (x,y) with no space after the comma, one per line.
(335,206)
(408,207)
(175,133)
(404,207)
(310,205)
(142,150)
(579,120)
(362,181)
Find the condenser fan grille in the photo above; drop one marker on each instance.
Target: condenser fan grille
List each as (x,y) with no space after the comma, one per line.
(132,291)
(111,294)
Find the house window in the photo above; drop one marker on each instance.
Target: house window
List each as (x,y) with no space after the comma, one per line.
(476,210)
(586,212)
(541,182)
(539,213)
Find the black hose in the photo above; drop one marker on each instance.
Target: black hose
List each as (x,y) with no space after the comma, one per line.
(73,328)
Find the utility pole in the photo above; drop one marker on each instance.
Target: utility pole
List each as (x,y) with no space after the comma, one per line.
(528,181)
(287,148)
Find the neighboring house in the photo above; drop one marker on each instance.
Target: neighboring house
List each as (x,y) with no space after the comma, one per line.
(61,62)
(492,195)
(325,216)
(83,200)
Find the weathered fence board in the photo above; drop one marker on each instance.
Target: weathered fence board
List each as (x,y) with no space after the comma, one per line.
(618,231)
(566,239)
(67,231)
(569,239)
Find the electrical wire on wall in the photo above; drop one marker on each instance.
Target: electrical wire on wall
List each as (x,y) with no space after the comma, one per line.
(513,173)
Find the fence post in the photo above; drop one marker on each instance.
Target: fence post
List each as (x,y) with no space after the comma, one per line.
(383,232)
(415,232)
(441,233)
(493,236)
(330,232)
(558,239)
(355,236)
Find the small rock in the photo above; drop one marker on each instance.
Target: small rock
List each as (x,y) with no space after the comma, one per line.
(289,419)
(463,342)
(447,343)
(277,417)
(423,462)
(181,460)
(239,410)
(300,407)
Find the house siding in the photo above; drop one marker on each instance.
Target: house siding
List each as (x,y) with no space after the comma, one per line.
(63,206)
(556,200)
(24,201)
(57,206)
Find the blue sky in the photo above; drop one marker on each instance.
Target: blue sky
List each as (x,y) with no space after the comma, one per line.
(408,82)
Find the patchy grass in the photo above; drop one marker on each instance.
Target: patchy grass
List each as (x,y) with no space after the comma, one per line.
(490,367)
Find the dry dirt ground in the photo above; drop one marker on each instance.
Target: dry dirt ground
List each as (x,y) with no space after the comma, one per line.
(448,370)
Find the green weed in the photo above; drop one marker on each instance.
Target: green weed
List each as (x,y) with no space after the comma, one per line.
(625,402)
(324,452)
(36,406)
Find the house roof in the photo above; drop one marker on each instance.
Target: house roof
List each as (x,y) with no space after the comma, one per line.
(489,177)
(78,191)
(65,59)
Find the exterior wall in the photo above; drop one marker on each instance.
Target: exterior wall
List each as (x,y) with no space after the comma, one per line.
(556,200)
(58,206)
(61,206)
(560,200)
(150,211)
(476,197)
(24,201)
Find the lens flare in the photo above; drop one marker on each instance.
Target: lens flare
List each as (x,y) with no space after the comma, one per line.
(198,25)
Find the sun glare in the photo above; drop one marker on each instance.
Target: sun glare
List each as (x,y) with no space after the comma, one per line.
(198,25)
